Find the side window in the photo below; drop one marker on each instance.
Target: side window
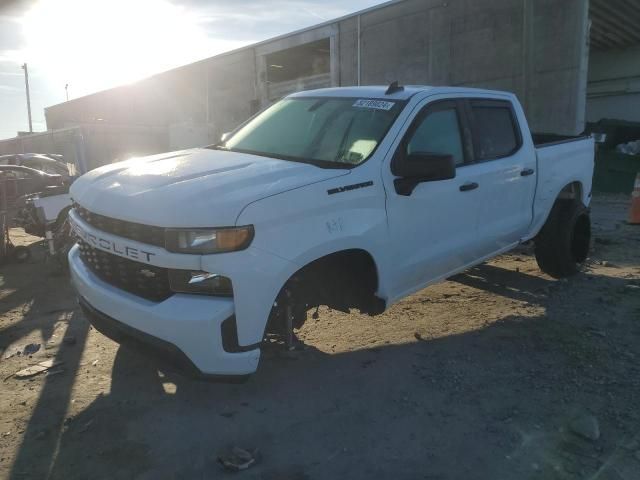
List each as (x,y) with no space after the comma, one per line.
(32,164)
(494,130)
(48,168)
(19,174)
(438,132)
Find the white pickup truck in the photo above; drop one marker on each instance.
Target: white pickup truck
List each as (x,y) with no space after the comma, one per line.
(348,197)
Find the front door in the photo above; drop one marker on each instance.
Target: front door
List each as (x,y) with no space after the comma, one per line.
(433,230)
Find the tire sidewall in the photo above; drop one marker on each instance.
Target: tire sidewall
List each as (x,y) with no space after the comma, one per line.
(554,245)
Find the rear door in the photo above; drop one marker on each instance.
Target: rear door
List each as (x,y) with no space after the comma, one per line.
(505,171)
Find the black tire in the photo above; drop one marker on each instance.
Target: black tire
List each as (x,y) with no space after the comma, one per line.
(563,243)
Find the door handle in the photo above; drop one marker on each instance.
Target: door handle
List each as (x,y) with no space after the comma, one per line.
(468,186)
(526,172)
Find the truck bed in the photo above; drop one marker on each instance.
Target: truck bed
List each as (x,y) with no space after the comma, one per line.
(562,160)
(541,140)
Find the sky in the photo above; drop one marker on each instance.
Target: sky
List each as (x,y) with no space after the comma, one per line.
(92,45)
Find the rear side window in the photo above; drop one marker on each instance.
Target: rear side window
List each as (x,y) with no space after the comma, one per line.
(495,131)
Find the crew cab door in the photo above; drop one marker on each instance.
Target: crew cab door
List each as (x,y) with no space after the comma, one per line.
(505,167)
(433,228)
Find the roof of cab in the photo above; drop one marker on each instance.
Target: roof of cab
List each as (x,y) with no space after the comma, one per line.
(378,91)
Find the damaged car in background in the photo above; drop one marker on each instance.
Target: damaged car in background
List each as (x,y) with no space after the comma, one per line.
(35,188)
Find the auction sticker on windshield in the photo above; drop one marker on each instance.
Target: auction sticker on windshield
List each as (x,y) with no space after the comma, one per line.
(377,104)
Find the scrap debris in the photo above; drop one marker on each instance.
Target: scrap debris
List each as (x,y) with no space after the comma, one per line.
(26,350)
(237,459)
(31,349)
(36,369)
(586,426)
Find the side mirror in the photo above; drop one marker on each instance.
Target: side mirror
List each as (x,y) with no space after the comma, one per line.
(421,167)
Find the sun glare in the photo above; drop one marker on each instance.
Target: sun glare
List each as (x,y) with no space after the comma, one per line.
(97,44)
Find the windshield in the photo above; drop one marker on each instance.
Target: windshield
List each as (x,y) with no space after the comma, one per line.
(332,132)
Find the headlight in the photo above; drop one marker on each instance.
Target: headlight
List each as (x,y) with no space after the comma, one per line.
(204,283)
(209,240)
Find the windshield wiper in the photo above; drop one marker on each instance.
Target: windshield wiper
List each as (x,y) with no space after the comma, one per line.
(217,146)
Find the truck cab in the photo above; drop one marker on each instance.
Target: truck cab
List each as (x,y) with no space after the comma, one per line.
(349,197)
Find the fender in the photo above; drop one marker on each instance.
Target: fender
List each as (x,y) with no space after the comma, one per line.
(309,222)
(542,207)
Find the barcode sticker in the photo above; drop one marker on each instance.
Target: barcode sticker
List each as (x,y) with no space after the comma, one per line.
(377,104)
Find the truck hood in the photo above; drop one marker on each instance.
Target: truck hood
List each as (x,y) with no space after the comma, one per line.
(190,188)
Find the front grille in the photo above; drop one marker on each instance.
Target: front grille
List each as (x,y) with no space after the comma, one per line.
(133,231)
(146,281)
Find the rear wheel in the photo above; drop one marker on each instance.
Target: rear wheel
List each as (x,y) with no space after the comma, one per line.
(563,243)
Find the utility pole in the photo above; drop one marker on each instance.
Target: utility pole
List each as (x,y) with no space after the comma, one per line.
(66,90)
(26,82)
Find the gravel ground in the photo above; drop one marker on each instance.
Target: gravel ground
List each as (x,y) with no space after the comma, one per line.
(499,373)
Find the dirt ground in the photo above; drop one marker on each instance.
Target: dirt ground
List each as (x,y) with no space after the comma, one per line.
(490,375)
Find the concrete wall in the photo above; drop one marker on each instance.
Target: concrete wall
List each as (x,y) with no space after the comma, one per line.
(535,48)
(614,85)
(232,90)
(170,97)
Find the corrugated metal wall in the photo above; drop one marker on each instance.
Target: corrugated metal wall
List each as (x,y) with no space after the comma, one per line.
(91,146)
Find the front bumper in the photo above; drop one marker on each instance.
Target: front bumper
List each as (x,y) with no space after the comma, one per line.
(187,327)
(140,341)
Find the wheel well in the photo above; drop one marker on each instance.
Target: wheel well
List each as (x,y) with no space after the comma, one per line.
(340,280)
(571,191)
(334,276)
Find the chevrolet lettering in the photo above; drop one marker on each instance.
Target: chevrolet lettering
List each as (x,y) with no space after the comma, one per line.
(118,248)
